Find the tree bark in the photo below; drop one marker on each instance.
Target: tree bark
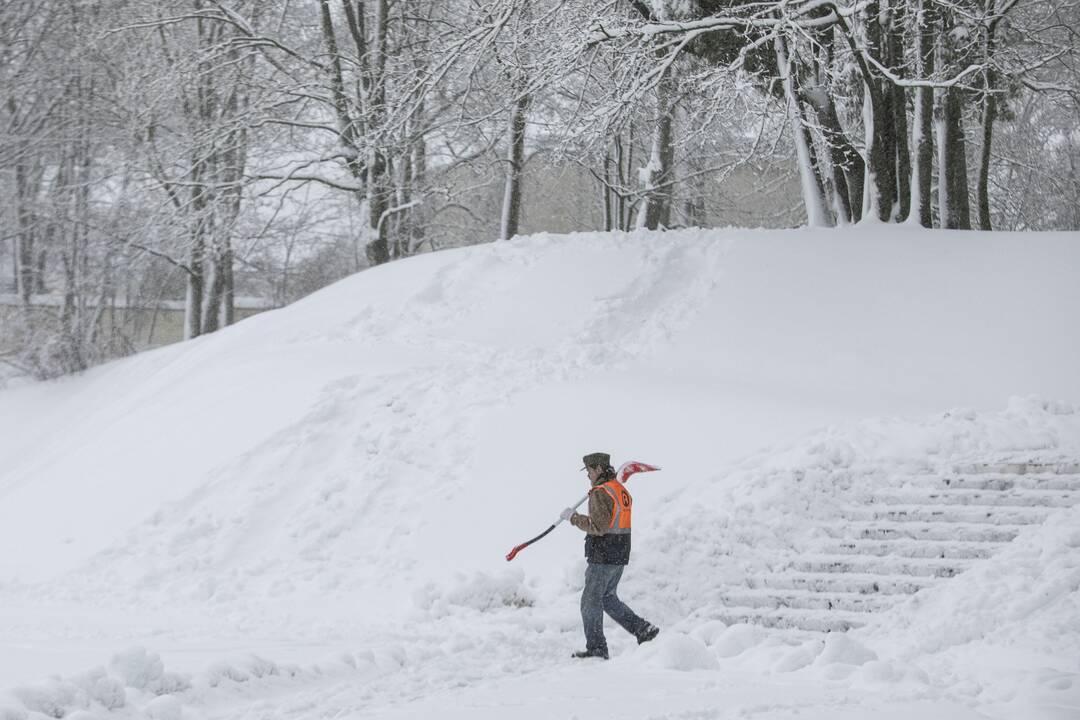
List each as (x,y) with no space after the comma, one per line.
(607,197)
(378,180)
(989,115)
(657,176)
(956,208)
(896,52)
(515,165)
(880,128)
(921,187)
(813,191)
(24,236)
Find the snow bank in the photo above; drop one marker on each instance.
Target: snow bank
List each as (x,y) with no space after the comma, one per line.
(1025,596)
(680,652)
(366,457)
(759,510)
(136,684)
(844,649)
(97,689)
(738,638)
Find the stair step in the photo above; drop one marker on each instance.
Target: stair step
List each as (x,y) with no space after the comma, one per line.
(859,583)
(909,548)
(883,565)
(1066,483)
(1020,468)
(979,498)
(806,600)
(929,531)
(789,619)
(931,513)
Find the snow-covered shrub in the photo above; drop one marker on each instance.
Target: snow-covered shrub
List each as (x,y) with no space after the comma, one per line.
(137,668)
(145,671)
(222,671)
(52,698)
(481,592)
(261,667)
(101,688)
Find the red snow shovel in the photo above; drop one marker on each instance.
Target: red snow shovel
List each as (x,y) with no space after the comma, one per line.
(622,475)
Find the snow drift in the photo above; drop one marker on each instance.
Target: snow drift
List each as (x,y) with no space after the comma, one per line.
(366,457)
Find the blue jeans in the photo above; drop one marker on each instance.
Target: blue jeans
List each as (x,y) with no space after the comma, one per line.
(599,597)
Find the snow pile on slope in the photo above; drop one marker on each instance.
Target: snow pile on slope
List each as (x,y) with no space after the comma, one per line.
(681,652)
(360,462)
(136,685)
(1028,595)
(766,508)
(1008,629)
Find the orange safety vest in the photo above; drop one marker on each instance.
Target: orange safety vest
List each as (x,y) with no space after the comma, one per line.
(622,507)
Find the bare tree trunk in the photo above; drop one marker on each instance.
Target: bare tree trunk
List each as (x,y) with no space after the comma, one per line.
(607,197)
(989,115)
(24,236)
(880,121)
(845,162)
(212,308)
(515,162)
(624,163)
(813,192)
(896,52)
(921,192)
(193,316)
(220,310)
(655,210)
(347,126)
(989,112)
(229,296)
(41,267)
(378,180)
(419,173)
(955,206)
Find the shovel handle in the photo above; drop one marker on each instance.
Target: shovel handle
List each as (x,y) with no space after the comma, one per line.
(624,473)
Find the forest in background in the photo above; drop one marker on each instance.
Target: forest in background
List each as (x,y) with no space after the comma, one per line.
(203,150)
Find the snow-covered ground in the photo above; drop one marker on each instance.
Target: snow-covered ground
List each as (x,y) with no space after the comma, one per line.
(306,514)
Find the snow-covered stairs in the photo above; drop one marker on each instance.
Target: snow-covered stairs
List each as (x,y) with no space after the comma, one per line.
(886,545)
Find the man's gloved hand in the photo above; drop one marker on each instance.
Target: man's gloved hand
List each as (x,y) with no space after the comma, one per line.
(565,514)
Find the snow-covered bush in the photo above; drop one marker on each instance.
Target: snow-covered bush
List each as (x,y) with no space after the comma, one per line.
(145,671)
(482,592)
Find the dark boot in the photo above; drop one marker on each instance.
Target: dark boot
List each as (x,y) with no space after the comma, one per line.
(648,633)
(581,654)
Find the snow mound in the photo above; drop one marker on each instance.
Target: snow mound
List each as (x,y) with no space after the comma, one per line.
(1026,595)
(799,656)
(681,652)
(738,639)
(844,649)
(358,464)
(165,707)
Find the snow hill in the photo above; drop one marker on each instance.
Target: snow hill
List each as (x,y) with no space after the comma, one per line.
(342,478)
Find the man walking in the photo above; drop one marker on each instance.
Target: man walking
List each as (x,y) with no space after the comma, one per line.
(607,551)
